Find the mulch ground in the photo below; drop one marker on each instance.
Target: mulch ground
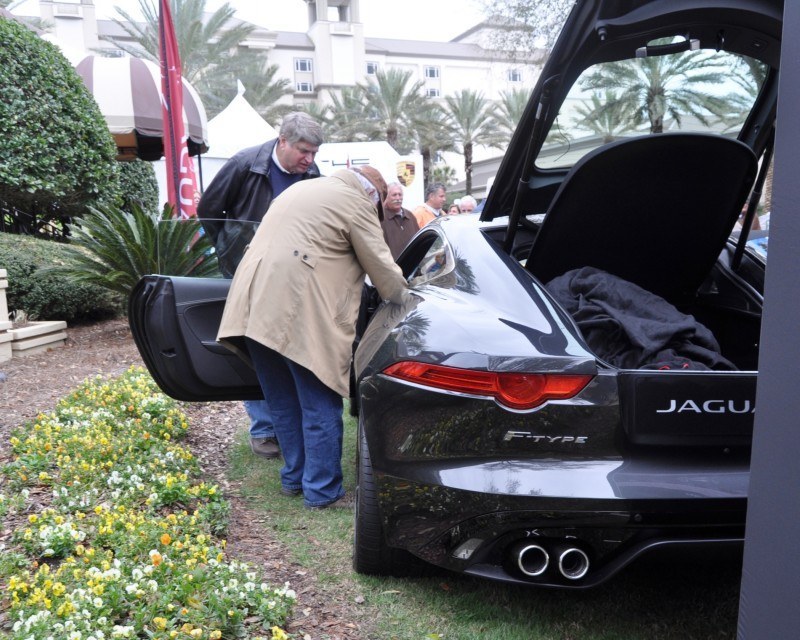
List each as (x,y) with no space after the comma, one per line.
(33,384)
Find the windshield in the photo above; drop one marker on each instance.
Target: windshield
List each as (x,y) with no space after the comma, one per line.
(696,91)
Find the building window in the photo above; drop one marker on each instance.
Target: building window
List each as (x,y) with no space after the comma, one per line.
(431,72)
(431,93)
(514,75)
(372,68)
(304,87)
(302,64)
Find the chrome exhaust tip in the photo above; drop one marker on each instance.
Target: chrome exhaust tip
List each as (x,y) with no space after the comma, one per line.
(531,559)
(573,563)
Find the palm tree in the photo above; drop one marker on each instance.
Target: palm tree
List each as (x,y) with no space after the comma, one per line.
(264,90)
(604,116)
(211,55)
(469,113)
(348,116)
(655,87)
(320,112)
(507,113)
(434,135)
(444,174)
(391,103)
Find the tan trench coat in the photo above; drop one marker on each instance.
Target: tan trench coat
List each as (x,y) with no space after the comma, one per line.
(298,287)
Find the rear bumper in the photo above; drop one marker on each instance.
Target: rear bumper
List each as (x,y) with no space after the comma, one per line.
(481,532)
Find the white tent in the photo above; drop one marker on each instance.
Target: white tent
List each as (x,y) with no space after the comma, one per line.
(236,127)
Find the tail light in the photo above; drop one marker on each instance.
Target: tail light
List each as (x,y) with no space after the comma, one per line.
(513,390)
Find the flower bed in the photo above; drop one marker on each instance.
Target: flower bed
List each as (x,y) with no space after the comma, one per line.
(113,534)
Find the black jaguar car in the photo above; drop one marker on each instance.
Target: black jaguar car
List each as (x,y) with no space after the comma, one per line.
(574,383)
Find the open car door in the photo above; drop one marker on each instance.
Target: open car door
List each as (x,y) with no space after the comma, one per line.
(174,321)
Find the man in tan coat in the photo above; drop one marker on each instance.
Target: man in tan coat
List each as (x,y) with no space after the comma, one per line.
(292,309)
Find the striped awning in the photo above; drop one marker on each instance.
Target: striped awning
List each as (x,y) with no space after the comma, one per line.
(128,92)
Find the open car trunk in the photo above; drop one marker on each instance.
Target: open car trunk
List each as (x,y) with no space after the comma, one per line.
(699,406)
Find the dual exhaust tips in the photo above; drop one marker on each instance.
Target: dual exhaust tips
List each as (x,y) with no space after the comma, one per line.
(534,559)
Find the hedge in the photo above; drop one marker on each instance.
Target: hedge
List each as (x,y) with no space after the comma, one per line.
(53,297)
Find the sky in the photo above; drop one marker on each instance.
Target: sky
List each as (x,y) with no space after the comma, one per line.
(435,20)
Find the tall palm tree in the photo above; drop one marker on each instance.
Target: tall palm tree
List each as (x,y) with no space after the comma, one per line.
(348,116)
(469,113)
(434,134)
(392,100)
(603,114)
(506,114)
(656,87)
(264,90)
(211,55)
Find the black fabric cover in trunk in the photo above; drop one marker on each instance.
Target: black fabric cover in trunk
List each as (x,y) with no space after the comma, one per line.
(631,328)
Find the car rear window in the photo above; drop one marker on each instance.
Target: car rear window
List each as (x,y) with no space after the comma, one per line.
(702,91)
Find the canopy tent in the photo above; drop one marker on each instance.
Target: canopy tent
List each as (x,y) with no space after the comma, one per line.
(237,127)
(128,92)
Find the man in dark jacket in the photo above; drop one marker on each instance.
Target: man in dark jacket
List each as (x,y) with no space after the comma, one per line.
(240,194)
(236,201)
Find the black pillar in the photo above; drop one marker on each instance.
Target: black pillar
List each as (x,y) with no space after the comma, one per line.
(768,605)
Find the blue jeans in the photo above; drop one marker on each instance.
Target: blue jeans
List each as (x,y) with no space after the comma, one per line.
(261,425)
(308,423)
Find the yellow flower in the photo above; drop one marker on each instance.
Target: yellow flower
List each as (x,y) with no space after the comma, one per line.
(156,558)
(278,634)
(215,635)
(160,623)
(166,539)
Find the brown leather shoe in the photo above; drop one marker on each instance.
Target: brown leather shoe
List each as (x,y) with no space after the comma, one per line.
(265,447)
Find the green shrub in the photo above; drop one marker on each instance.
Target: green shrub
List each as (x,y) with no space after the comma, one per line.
(56,153)
(54,297)
(113,248)
(139,185)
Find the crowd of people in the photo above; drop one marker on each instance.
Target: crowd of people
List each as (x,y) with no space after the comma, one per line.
(298,247)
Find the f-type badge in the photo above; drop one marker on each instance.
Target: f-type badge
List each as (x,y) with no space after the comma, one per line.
(535,437)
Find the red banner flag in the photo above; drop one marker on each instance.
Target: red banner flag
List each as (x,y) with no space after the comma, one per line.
(181,179)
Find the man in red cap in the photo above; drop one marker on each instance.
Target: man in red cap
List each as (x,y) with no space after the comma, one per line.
(292,309)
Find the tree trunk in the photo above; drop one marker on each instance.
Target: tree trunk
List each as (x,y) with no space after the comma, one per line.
(468,167)
(391,137)
(426,166)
